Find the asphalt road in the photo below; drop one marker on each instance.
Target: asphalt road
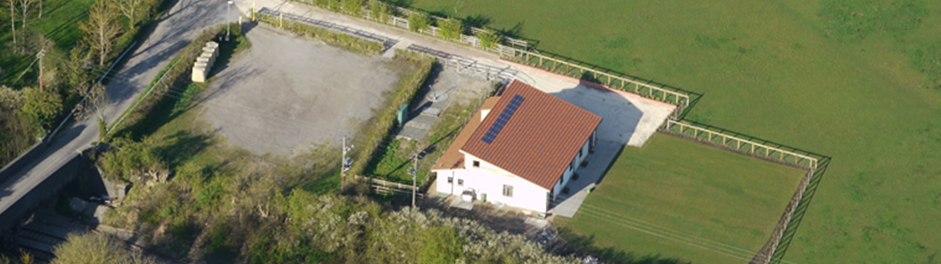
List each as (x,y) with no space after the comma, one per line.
(185,20)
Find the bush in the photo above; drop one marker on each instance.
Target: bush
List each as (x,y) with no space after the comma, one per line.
(41,106)
(352,7)
(489,39)
(378,11)
(96,248)
(418,22)
(451,29)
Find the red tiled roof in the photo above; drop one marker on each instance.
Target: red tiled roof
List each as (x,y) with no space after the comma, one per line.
(539,140)
(452,157)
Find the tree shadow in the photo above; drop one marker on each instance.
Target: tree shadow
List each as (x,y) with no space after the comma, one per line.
(477,20)
(580,245)
(183,146)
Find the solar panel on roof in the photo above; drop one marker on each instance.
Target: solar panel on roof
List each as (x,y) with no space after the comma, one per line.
(502,120)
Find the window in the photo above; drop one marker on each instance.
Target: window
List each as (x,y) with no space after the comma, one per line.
(507,190)
(460,182)
(580,152)
(560,179)
(476,164)
(450,179)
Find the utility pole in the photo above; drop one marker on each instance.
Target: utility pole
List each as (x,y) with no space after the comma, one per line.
(42,53)
(345,163)
(414,173)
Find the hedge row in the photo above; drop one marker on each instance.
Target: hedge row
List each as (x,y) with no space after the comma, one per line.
(342,40)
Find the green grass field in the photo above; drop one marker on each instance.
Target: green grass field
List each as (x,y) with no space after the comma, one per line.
(687,191)
(842,78)
(59,23)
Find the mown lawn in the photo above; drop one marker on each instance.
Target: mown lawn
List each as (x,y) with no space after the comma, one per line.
(843,78)
(683,201)
(59,23)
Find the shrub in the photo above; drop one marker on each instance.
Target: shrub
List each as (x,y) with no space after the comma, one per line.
(352,7)
(451,29)
(565,190)
(378,11)
(418,22)
(41,106)
(489,39)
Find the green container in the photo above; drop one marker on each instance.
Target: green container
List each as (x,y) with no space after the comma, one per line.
(483,197)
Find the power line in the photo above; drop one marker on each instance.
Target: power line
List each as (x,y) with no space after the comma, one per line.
(672,234)
(662,228)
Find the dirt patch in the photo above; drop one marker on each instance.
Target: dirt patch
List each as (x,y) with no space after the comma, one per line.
(286,93)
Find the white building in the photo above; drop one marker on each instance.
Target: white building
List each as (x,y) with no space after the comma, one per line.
(519,149)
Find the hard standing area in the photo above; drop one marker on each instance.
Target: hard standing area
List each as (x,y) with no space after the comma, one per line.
(714,207)
(287,93)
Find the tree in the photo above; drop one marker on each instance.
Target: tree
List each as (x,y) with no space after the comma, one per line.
(352,7)
(102,28)
(24,7)
(418,22)
(130,8)
(378,11)
(489,39)
(96,248)
(41,106)
(12,4)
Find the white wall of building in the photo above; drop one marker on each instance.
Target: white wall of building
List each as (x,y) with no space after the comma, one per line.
(567,175)
(489,179)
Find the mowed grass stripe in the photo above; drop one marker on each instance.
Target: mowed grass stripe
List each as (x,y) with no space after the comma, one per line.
(718,205)
(776,70)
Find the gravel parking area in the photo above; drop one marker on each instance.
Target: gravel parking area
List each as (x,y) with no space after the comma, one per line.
(287,93)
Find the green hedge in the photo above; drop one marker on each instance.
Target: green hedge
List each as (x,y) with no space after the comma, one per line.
(384,121)
(341,40)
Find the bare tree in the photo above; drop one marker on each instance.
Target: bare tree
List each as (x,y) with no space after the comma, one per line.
(102,28)
(25,5)
(129,8)
(13,20)
(40,8)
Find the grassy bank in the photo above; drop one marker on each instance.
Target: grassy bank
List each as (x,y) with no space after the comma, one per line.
(843,78)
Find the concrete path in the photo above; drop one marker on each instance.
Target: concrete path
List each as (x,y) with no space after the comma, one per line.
(184,21)
(567,204)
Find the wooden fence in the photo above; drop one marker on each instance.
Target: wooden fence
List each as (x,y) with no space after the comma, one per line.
(766,252)
(753,147)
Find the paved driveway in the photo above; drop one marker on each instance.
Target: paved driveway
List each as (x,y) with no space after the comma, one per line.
(287,93)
